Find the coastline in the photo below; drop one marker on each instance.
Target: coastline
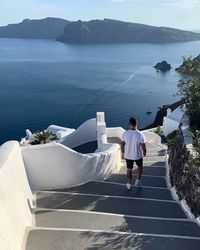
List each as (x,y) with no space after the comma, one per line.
(162,113)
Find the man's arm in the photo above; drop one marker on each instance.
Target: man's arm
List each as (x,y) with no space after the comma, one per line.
(144,149)
(123,148)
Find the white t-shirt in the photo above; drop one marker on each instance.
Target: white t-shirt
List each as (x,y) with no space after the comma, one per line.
(133,139)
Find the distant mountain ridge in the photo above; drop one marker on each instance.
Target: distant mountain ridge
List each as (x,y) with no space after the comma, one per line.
(47,28)
(113,31)
(95,31)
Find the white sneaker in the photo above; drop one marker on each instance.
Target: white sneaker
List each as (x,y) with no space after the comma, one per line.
(128,186)
(137,182)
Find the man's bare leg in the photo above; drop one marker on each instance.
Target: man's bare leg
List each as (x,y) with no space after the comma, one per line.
(139,172)
(129,175)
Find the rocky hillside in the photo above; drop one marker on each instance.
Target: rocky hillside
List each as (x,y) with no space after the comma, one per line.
(112,31)
(48,28)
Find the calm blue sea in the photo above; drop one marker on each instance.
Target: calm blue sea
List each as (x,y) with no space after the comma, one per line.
(45,82)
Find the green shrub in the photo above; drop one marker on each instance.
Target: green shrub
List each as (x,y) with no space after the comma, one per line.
(189,89)
(158,131)
(171,137)
(190,66)
(196,147)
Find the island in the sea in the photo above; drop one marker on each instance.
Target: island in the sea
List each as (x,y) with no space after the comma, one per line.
(163,66)
(95,31)
(47,28)
(113,31)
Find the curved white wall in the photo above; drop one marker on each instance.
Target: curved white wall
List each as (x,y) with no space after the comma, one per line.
(87,132)
(15,194)
(54,166)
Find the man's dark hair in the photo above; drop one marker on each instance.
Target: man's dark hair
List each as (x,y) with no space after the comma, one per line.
(133,121)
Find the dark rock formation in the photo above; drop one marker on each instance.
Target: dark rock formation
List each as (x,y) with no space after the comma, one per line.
(113,31)
(163,66)
(48,28)
(185,175)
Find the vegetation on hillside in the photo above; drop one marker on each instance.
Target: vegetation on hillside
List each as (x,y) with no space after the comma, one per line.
(196,146)
(171,138)
(189,88)
(190,66)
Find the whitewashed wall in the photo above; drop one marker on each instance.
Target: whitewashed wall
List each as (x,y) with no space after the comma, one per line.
(87,132)
(172,121)
(169,125)
(15,195)
(150,136)
(115,132)
(53,166)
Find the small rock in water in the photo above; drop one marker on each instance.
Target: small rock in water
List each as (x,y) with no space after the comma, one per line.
(148,112)
(163,66)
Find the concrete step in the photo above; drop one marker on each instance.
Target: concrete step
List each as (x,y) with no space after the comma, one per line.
(154,163)
(153,170)
(148,181)
(110,204)
(44,239)
(111,222)
(154,159)
(155,153)
(104,188)
(148,170)
(158,147)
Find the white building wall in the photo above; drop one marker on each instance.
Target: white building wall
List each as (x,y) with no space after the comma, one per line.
(169,125)
(15,196)
(54,166)
(115,132)
(172,121)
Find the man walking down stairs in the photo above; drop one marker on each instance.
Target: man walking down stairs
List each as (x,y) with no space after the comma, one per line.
(133,150)
(105,215)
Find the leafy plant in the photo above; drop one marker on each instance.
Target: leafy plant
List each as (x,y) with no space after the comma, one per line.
(43,137)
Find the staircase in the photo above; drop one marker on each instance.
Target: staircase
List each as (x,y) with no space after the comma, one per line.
(104,215)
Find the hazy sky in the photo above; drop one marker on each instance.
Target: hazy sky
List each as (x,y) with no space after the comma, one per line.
(174,13)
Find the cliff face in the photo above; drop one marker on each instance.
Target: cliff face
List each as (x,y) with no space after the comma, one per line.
(48,28)
(112,31)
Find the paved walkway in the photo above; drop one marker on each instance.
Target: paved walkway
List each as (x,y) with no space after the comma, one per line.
(104,215)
